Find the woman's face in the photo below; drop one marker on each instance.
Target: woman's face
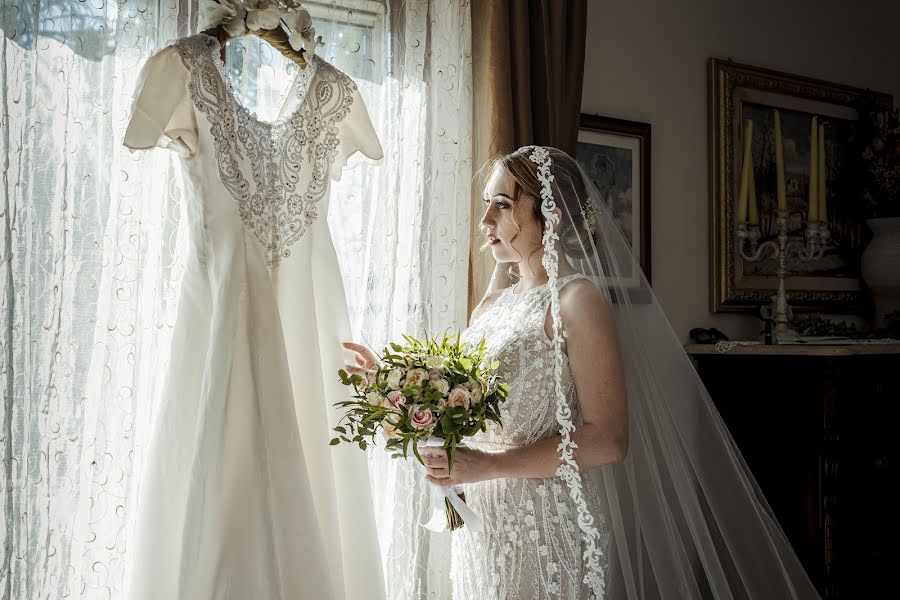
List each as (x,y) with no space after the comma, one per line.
(512,230)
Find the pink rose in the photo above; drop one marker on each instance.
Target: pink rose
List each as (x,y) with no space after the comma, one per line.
(394,399)
(421,418)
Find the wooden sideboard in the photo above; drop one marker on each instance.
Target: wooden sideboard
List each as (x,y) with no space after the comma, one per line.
(818,426)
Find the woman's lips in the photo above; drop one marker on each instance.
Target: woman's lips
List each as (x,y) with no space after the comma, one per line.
(493,240)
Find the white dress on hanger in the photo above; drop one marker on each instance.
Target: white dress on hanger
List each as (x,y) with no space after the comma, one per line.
(232,505)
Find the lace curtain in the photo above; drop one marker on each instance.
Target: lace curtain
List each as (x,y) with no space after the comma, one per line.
(90,259)
(401,231)
(90,269)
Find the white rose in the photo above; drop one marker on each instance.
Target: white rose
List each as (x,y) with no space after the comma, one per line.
(459,397)
(476,393)
(374,398)
(393,378)
(416,377)
(441,404)
(434,362)
(393,418)
(390,430)
(441,385)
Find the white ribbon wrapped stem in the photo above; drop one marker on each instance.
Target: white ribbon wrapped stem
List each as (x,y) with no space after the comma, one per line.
(439,496)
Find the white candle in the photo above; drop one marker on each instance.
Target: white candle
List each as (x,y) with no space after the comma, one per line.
(814,171)
(745,171)
(779,164)
(823,171)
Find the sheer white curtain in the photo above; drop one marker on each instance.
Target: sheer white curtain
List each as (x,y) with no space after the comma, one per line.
(401,230)
(90,260)
(89,271)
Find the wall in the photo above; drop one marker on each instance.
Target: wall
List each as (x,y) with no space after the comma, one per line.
(646,60)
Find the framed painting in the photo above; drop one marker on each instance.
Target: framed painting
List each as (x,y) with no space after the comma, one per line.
(615,155)
(739,95)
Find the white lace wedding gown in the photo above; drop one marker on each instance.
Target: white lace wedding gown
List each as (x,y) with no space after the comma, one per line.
(232,505)
(531,546)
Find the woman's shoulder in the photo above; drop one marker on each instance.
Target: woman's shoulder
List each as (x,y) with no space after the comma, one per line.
(580,295)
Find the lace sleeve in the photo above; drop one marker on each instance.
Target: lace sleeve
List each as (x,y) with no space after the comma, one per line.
(161,113)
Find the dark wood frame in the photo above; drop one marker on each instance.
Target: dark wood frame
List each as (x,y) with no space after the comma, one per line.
(641,131)
(731,84)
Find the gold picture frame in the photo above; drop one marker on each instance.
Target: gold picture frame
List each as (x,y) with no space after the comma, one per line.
(738,92)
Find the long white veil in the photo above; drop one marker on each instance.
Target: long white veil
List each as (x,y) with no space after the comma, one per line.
(687,519)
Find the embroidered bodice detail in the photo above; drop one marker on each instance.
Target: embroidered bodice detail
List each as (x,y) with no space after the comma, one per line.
(513,328)
(259,162)
(531,547)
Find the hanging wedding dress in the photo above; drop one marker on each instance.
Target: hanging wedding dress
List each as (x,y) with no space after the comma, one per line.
(232,504)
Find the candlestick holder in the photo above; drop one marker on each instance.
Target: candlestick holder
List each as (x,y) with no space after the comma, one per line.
(815,242)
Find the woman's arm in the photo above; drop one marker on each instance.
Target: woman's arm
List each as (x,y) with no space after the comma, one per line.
(596,366)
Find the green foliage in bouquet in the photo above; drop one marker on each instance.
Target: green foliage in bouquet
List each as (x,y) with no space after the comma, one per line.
(441,388)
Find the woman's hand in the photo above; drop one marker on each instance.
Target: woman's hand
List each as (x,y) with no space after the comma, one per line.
(469,466)
(364,359)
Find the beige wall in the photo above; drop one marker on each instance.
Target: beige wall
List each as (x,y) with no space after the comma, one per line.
(646,60)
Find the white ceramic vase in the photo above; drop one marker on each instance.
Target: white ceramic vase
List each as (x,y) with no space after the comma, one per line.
(881,265)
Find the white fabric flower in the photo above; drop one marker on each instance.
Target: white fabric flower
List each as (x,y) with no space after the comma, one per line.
(297,20)
(230,14)
(301,33)
(263,18)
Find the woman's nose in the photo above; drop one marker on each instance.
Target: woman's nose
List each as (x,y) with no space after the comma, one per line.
(487,220)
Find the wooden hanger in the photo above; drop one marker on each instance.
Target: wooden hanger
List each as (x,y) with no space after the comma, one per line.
(277,38)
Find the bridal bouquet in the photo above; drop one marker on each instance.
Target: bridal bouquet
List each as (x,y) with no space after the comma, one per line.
(424,393)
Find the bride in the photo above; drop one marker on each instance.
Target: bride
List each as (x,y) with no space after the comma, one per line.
(612,475)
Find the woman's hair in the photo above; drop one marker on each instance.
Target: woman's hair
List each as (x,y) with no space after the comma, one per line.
(573,234)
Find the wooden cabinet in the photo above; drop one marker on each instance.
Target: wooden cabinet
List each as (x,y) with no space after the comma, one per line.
(818,427)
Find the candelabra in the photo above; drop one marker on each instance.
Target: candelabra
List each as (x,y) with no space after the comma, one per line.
(815,242)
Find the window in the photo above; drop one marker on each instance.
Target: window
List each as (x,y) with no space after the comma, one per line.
(352,31)
(353,34)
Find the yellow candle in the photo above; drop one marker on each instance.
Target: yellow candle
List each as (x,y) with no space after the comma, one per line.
(823,212)
(745,171)
(751,198)
(814,171)
(779,164)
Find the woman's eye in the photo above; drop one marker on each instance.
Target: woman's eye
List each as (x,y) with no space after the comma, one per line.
(499,203)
